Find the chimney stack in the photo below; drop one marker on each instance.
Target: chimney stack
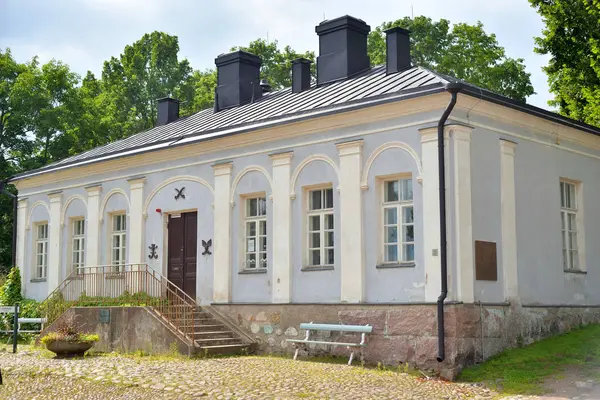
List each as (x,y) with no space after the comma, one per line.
(168,110)
(397,49)
(342,48)
(300,75)
(238,79)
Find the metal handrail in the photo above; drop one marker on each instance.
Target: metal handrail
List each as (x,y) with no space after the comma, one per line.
(136,284)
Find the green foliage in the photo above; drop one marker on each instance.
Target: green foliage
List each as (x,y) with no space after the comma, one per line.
(72,338)
(140,299)
(10,293)
(572,39)
(463,51)
(523,370)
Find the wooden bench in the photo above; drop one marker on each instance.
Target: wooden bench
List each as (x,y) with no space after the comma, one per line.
(11,310)
(310,327)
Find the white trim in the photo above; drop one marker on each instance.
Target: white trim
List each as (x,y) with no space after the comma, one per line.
(508,218)
(240,175)
(33,206)
(66,206)
(386,146)
(222,234)
(108,196)
(173,179)
(304,163)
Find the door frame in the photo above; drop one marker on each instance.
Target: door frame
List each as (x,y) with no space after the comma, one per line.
(165,244)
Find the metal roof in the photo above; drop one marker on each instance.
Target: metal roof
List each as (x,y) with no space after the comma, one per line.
(368,88)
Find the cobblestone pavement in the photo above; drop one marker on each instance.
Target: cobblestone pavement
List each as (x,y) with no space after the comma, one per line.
(36,375)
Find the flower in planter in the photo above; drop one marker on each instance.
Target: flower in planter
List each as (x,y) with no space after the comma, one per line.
(69,340)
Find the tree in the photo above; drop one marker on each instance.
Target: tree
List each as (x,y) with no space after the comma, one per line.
(572,39)
(464,51)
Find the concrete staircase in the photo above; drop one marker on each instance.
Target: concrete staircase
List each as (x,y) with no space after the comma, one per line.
(213,336)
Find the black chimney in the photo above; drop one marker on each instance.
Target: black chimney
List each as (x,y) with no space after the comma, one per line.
(238,79)
(342,48)
(398,49)
(168,110)
(300,75)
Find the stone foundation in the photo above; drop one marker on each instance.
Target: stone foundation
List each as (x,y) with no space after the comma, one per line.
(408,333)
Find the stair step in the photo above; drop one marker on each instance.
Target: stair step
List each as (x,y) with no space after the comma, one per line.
(217,341)
(214,334)
(206,327)
(223,349)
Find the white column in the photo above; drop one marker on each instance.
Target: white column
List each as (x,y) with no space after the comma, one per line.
(282,224)
(136,220)
(351,248)
(54,277)
(22,242)
(463,235)
(508,220)
(222,242)
(431,212)
(92,229)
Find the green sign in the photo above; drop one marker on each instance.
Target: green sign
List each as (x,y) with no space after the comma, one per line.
(104,316)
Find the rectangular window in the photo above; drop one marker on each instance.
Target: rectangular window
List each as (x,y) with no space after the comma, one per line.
(78,245)
(256,232)
(568,218)
(398,221)
(118,242)
(41,251)
(320,227)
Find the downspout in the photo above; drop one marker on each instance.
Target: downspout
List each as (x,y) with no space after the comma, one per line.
(3,190)
(453,89)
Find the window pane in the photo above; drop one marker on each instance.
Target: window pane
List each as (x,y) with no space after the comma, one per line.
(572,222)
(328,221)
(263,244)
(329,239)
(315,200)
(391,216)
(251,260)
(391,253)
(573,203)
(329,256)
(328,198)
(315,257)
(565,262)
(315,240)
(314,223)
(409,252)
(573,241)
(75,245)
(407,217)
(250,245)
(251,228)
(262,206)
(116,241)
(116,256)
(263,228)
(562,194)
(251,207)
(563,215)
(116,223)
(40,260)
(123,223)
(263,260)
(564,239)
(574,261)
(40,248)
(391,234)
(391,191)
(408,233)
(407,190)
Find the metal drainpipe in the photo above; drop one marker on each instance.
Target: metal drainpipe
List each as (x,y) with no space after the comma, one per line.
(14,238)
(453,89)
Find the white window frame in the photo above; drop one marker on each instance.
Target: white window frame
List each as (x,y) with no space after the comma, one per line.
(118,264)
(259,221)
(571,213)
(41,269)
(322,213)
(400,206)
(77,249)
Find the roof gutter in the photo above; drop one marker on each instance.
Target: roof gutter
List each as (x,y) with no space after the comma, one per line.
(5,191)
(453,89)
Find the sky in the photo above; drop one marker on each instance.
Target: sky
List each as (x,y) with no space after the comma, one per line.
(85,33)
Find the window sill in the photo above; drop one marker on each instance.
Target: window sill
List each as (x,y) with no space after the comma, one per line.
(575,271)
(253,271)
(35,280)
(317,268)
(396,265)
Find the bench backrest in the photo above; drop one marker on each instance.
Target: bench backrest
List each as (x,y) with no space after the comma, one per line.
(337,328)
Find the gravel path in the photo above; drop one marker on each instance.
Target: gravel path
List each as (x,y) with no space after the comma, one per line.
(33,374)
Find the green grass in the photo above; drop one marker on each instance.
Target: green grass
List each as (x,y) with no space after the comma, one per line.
(523,370)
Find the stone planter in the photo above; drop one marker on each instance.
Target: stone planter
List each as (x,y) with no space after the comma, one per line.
(64,349)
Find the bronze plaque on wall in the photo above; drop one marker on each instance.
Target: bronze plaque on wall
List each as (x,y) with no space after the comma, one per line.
(486,264)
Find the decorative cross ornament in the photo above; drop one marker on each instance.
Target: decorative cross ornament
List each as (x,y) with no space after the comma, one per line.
(153,253)
(180,193)
(206,246)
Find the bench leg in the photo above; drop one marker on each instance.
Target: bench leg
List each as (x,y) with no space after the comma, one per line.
(351,357)
(296,353)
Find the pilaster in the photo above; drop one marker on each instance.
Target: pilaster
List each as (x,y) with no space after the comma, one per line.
(92,229)
(135,236)
(351,248)
(22,207)
(508,220)
(222,224)
(54,271)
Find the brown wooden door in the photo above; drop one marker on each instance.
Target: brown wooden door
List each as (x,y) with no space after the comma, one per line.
(183,248)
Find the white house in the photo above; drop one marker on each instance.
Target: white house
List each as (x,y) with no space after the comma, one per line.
(321,202)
